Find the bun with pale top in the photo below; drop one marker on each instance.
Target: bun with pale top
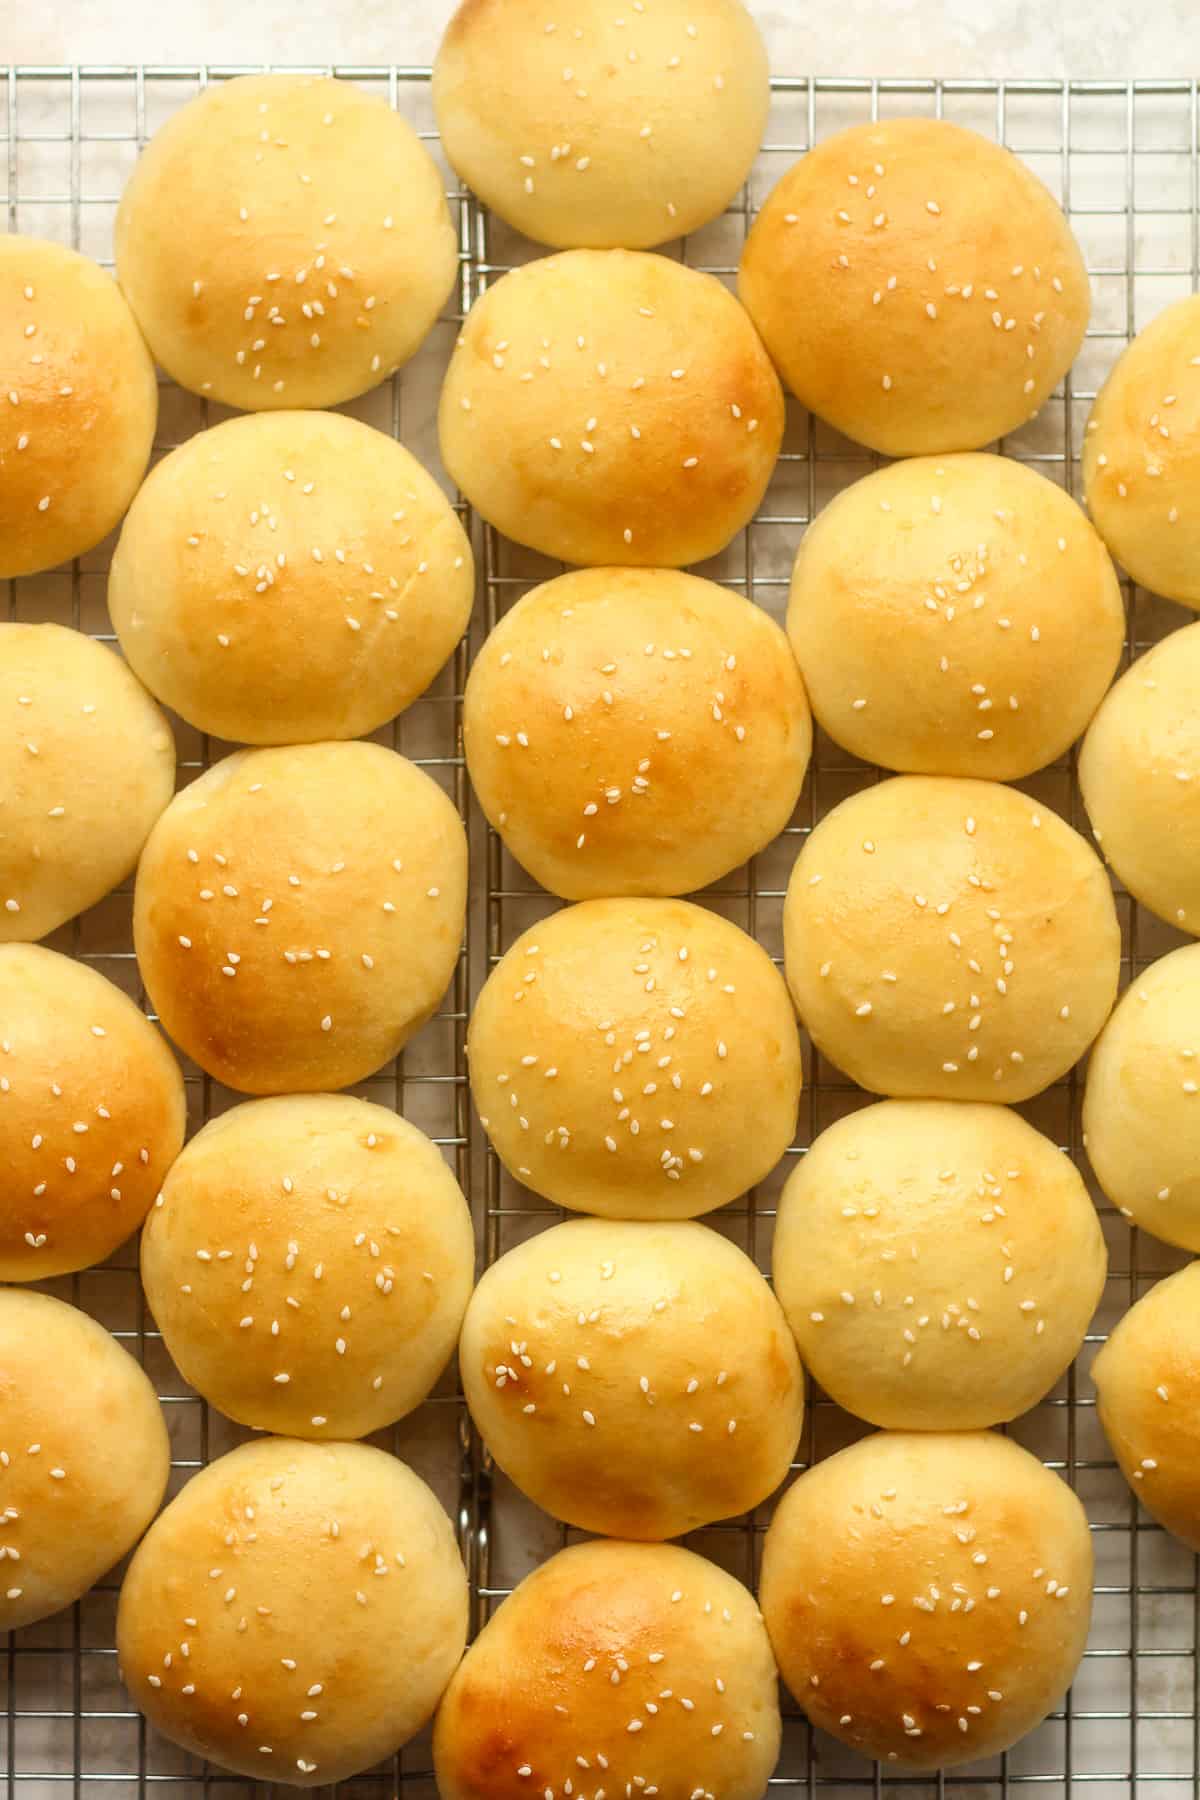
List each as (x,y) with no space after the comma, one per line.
(1149,1400)
(84,1457)
(950,940)
(633,1379)
(602,127)
(284,240)
(87,765)
(998,604)
(288,577)
(295,1613)
(1139,774)
(1141,1127)
(308,1263)
(938,1262)
(636,1058)
(1141,454)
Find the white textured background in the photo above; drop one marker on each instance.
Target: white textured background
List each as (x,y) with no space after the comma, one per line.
(821,37)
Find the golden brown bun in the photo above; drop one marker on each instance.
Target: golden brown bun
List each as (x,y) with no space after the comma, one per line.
(288,577)
(87,764)
(916,285)
(998,604)
(648,427)
(938,1262)
(636,1058)
(308,1264)
(928,1595)
(950,940)
(633,1379)
(633,1665)
(84,1457)
(298,913)
(80,405)
(334,1618)
(1141,455)
(92,1114)
(601,127)
(1137,772)
(1148,1380)
(1141,1106)
(285,241)
(635,731)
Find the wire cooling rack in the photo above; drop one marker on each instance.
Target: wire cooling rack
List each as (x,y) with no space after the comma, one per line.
(1124,160)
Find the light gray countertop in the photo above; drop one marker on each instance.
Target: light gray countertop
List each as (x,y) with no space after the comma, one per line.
(822,37)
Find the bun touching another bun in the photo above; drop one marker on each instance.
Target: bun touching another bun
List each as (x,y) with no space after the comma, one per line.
(999,606)
(1148,1380)
(324,1641)
(92,1115)
(607,407)
(636,1058)
(928,1596)
(298,913)
(87,764)
(938,1262)
(1141,1121)
(635,731)
(916,285)
(84,1457)
(78,427)
(352,1256)
(633,1379)
(1137,770)
(288,577)
(950,940)
(285,241)
(1141,455)
(638,1666)
(647,134)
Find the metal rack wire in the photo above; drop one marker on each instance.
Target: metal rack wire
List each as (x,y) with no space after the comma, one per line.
(1124,157)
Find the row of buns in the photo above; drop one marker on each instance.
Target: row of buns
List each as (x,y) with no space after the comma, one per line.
(943,940)
(328,1240)
(602,693)
(298,1611)
(214,1595)
(333,1670)
(602,404)
(667,1299)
